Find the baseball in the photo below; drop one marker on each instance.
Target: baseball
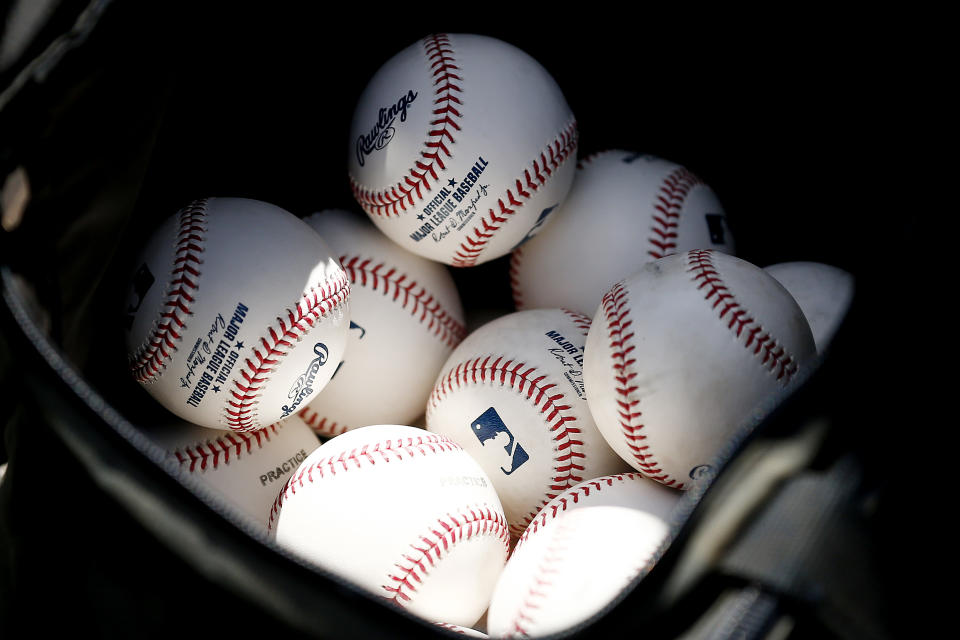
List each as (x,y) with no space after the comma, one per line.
(512,396)
(247,469)
(403,513)
(582,550)
(405,319)
(464,631)
(634,208)
(824,293)
(237,315)
(461,146)
(686,352)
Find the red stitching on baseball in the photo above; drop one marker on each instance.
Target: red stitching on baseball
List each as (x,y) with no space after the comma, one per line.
(542,579)
(549,160)
(544,394)
(410,295)
(590,158)
(393,201)
(668,203)
(388,451)
(580,320)
(213,453)
(240,413)
(451,627)
(319,423)
(573,496)
(152,356)
(431,547)
(772,355)
(615,311)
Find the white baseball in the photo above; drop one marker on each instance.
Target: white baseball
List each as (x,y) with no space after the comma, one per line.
(580,553)
(403,513)
(247,468)
(634,208)
(461,146)
(464,631)
(405,319)
(824,293)
(687,351)
(237,315)
(512,396)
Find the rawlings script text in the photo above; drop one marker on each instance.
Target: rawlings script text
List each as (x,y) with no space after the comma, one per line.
(382,133)
(303,386)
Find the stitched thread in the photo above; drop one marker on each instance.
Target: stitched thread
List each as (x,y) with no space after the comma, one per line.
(388,451)
(240,411)
(558,548)
(410,295)
(445,71)
(152,356)
(668,203)
(439,539)
(544,395)
(542,580)
(319,423)
(772,355)
(542,168)
(571,497)
(591,158)
(212,453)
(581,321)
(616,312)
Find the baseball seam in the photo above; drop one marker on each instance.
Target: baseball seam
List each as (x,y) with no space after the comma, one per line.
(397,450)
(616,312)
(148,362)
(590,158)
(580,321)
(319,423)
(393,201)
(545,396)
(440,538)
(773,356)
(451,627)
(516,256)
(240,413)
(540,583)
(571,497)
(548,161)
(213,453)
(422,304)
(667,204)
(559,549)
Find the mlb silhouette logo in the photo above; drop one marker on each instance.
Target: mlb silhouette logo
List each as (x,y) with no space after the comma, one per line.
(489,426)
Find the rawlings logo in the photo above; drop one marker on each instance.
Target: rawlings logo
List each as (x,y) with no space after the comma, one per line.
(701,472)
(303,386)
(382,133)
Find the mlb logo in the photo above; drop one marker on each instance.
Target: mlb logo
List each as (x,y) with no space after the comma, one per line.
(489,426)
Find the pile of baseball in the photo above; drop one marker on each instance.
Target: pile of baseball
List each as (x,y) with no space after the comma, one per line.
(504,475)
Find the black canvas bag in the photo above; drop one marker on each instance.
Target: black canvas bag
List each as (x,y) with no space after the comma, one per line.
(113,115)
